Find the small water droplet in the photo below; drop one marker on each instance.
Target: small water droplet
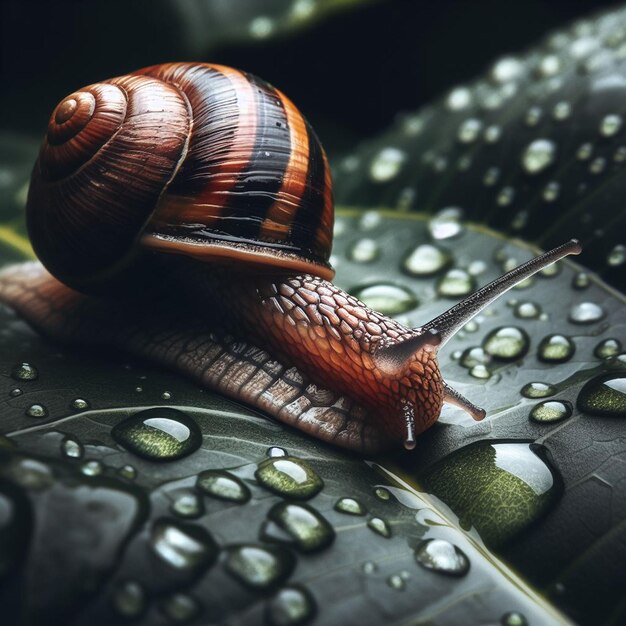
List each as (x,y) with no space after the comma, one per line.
(306,529)
(395,581)
(293,605)
(507,343)
(492,134)
(620,154)
(469,130)
(527,311)
(556,349)
(581,281)
(386,164)
(79,404)
(586,313)
(24,371)
(459,98)
(597,165)
(474,356)
(14,393)
(608,348)
(513,618)
(180,608)
(455,283)
(129,599)
(617,255)
(387,298)
(92,468)
(261,27)
(491,177)
(351,506)
(183,547)
(382,493)
(446,224)
(364,251)
(551,411)
(128,472)
(610,125)
(538,390)
(369,567)
(275,451)
(166,395)
(506,196)
(37,410)
(379,526)
(549,66)
(480,371)
(442,556)
(604,395)
(561,111)
(72,448)
(538,156)
(223,485)
(259,567)
(160,434)
(290,477)
(187,505)
(506,69)
(584,151)
(426,260)
(551,191)
(533,116)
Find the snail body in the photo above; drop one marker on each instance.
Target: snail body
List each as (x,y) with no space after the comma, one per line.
(184,213)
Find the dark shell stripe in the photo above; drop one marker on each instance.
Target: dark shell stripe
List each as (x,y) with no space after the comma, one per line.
(220,362)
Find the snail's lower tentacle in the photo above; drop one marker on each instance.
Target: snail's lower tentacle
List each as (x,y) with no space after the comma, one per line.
(217,360)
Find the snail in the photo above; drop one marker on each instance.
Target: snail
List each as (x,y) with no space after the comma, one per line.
(184,213)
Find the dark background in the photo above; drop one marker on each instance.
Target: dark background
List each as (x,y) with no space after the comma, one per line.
(350,73)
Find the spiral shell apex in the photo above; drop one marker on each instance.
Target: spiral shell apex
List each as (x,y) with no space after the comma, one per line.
(191,159)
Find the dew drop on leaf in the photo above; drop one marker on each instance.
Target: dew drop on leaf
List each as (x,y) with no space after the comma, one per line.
(290,477)
(351,506)
(551,411)
(259,567)
(292,605)
(604,395)
(223,485)
(442,557)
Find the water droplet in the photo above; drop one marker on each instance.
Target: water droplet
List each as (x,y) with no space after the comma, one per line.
(79,404)
(584,152)
(291,606)
(498,488)
(223,485)
(597,165)
(538,390)
(14,393)
(506,69)
(442,556)
(459,98)
(538,156)
(480,371)
(129,599)
(166,395)
(382,493)
(395,581)
(608,348)
(370,220)
(369,567)
(183,547)
(290,477)
(527,311)
(455,283)
(586,313)
(551,411)
(491,177)
(379,526)
(72,448)
(549,66)
(507,343)
(617,256)
(261,27)
(364,251)
(506,196)
(259,567)
(92,468)
(128,472)
(604,395)
(386,164)
(610,125)
(160,434)
(275,451)
(620,154)
(426,260)
(24,371)
(446,224)
(469,130)
(492,134)
(556,349)
(533,116)
(387,298)
(474,356)
(581,281)
(187,505)
(32,474)
(561,111)
(307,529)
(351,506)
(36,410)
(513,618)
(180,608)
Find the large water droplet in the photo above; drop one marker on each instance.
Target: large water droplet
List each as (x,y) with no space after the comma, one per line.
(387,298)
(442,557)
(551,411)
(556,349)
(291,606)
(586,313)
(307,529)
(290,477)
(259,567)
(427,260)
(456,283)
(351,506)
(507,343)
(223,485)
(24,371)
(604,395)
(183,547)
(499,488)
(538,390)
(160,434)
(538,156)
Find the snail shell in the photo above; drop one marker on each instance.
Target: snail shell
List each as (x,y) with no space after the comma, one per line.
(194,159)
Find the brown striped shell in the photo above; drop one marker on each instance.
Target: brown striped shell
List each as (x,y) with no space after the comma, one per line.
(186,158)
